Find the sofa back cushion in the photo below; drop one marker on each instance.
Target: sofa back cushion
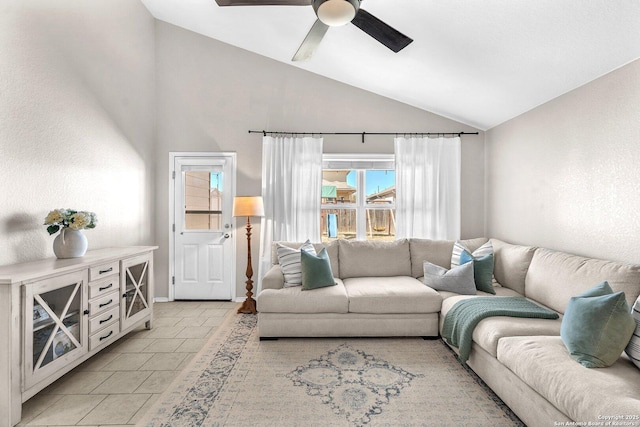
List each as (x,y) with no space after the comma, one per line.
(554,277)
(369,258)
(437,252)
(511,263)
(332,251)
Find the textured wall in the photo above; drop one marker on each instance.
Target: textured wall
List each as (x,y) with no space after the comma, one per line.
(566,175)
(209,94)
(77,121)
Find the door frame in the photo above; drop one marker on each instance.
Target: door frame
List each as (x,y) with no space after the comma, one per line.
(172,215)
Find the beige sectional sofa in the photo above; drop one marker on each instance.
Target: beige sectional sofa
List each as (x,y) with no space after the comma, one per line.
(380,292)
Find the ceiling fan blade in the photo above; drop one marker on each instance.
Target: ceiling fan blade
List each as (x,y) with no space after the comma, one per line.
(311,41)
(388,36)
(264,2)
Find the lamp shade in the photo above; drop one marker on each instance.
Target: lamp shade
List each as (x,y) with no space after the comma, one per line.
(248,206)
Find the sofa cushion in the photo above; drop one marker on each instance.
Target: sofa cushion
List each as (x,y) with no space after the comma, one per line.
(316,270)
(584,395)
(489,331)
(374,259)
(332,250)
(554,277)
(597,326)
(459,279)
(399,294)
(437,252)
(332,299)
(511,263)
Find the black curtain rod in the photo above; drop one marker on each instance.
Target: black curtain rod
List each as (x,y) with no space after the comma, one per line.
(265,132)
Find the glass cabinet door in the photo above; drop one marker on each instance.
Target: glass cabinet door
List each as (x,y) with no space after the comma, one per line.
(55,333)
(137,292)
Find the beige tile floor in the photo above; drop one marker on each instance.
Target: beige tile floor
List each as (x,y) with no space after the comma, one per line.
(116,386)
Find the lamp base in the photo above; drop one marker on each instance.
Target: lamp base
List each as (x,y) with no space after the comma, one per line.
(248,306)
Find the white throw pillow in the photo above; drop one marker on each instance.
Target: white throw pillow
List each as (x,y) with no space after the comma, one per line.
(459,279)
(289,260)
(633,348)
(458,247)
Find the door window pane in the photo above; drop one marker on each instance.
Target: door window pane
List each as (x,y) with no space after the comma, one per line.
(48,308)
(203,200)
(136,289)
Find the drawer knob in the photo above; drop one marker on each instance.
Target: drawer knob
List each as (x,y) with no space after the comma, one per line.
(106,303)
(110,285)
(85,312)
(105,271)
(106,336)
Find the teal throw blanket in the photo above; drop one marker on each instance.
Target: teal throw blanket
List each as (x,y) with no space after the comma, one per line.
(463,317)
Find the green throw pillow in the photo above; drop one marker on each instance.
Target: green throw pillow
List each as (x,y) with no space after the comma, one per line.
(316,270)
(482,270)
(597,326)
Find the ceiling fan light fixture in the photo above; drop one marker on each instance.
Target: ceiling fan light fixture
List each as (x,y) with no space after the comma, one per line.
(335,13)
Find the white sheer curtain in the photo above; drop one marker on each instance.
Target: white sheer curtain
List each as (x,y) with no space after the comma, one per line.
(428,187)
(291,190)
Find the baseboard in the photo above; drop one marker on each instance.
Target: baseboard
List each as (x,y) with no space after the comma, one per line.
(161,299)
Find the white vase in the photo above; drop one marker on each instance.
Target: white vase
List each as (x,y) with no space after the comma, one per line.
(70,243)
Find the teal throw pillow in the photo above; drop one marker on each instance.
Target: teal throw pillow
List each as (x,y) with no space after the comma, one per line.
(482,270)
(316,270)
(597,326)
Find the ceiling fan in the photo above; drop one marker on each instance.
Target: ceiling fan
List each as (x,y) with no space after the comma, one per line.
(333,13)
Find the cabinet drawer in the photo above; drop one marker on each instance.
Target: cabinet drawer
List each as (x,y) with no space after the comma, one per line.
(103,320)
(103,303)
(106,335)
(103,287)
(103,270)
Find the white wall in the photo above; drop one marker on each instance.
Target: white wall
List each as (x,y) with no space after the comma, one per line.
(566,175)
(76,121)
(210,94)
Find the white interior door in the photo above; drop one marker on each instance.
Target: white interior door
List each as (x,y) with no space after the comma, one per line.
(204,188)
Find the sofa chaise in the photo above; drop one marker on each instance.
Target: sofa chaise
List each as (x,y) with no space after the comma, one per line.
(380,292)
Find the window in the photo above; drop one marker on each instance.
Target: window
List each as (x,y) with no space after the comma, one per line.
(358,197)
(203,200)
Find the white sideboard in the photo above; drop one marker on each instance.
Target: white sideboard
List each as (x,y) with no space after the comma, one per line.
(57,313)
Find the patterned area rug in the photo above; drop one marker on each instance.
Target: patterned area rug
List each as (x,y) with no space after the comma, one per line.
(238,380)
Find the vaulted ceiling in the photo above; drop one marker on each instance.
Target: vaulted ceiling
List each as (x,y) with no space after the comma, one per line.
(478,62)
